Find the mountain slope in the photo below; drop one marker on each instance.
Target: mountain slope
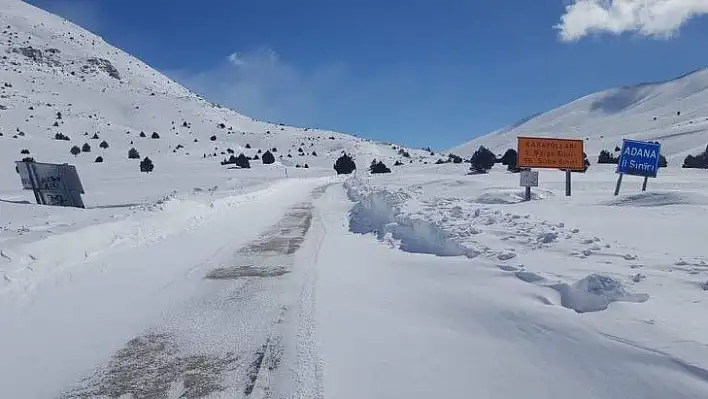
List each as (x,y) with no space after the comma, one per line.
(674,113)
(56,77)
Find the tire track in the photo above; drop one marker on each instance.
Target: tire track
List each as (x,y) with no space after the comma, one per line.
(226,342)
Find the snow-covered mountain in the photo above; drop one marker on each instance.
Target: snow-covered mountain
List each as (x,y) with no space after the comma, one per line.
(56,77)
(674,112)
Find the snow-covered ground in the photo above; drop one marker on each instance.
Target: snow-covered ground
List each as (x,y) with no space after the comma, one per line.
(419,284)
(203,280)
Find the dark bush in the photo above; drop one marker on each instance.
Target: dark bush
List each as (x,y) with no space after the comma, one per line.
(55,124)
(398,163)
(95,136)
(104,144)
(404,153)
(699,161)
(155,135)
(268,158)
(662,161)
(142,134)
(75,150)
(606,158)
(25,151)
(99,159)
(60,136)
(510,159)
(28,159)
(248,146)
(86,148)
(229,150)
(454,158)
(133,154)
(212,138)
(243,162)
(58,115)
(617,149)
(255,157)
(221,126)
(378,167)
(306,166)
(259,151)
(344,165)
(482,160)
(146,165)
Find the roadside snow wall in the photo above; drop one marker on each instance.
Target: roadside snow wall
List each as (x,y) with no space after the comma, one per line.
(381,212)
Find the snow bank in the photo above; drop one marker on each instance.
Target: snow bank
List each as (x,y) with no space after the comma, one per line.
(595,293)
(503,196)
(659,198)
(380,212)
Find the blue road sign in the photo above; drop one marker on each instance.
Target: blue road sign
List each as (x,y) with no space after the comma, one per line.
(639,158)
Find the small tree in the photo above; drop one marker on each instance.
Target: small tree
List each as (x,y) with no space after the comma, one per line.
(378,167)
(95,136)
(75,150)
(25,151)
(510,159)
(482,160)
(86,148)
(662,161)
(398,163)
(243,162)
(248,146)
(155,135)
(133,154)
(606,158)
(142,134)
(99,159)
(146,165)
(268,158)
(454,158)
(104,144)
(345,165)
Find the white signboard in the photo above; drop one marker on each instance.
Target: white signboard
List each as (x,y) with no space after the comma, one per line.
(529,178)
(53,184)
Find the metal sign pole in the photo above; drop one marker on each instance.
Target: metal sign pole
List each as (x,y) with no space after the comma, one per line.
(644,185)
(619,183)
(527,194)
(33,183)
(567,182)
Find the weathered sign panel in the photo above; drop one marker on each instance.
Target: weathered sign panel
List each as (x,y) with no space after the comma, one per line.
(528,178)
(53,184)
(539,152)
(639,158)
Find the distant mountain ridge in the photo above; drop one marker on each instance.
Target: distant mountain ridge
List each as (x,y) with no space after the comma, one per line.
(58,80)
(673,112)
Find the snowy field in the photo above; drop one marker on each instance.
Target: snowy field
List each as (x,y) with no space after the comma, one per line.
(286,281)
(424,283)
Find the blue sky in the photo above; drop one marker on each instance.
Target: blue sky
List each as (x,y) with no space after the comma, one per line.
(417,72)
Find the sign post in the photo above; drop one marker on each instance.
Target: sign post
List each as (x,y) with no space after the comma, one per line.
(563,154)
(638,158)
(52,184)
(528,179)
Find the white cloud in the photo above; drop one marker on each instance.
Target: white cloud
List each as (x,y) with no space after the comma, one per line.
(653,18)
(261,85)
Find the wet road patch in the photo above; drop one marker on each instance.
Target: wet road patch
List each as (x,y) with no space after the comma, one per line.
(151,366)
(236,272)
(275,244)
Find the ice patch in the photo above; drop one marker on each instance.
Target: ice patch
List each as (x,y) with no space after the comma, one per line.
(595,293)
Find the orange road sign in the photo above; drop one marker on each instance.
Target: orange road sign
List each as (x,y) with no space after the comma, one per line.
(539,152)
